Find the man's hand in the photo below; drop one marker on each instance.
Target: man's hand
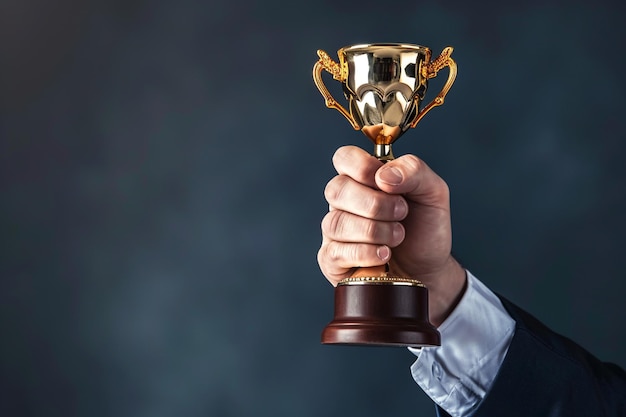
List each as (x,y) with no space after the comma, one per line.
(401,207)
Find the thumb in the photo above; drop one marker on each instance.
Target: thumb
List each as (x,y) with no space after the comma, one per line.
(410,176)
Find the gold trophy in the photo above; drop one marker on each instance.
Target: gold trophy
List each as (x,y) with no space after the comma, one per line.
(384,85)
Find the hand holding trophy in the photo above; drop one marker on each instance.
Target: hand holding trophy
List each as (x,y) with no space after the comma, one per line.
(384,85)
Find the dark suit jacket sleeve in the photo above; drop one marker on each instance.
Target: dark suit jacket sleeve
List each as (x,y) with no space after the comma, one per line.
(545,374)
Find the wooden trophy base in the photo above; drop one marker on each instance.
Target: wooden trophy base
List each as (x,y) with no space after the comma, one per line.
(381,311)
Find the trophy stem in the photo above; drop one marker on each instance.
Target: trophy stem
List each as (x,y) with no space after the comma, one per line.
(383,152)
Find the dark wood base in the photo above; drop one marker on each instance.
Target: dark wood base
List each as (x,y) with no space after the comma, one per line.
(381,315)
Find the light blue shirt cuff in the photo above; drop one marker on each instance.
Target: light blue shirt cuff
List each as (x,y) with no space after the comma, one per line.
(474,340)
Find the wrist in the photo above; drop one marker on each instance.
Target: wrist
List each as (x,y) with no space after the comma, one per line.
(445,291)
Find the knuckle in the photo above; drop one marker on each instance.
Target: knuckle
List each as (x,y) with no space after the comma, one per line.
(412,162)
(334,188)
(324,266)
(372,231)
(327,257)
(343,154)
(334,252)
(339,156)
(332,223)
(441,191)
(343,254)
(373,206)
(358,254)
(321,257)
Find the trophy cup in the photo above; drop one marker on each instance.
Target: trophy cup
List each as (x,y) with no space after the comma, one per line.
(384,85)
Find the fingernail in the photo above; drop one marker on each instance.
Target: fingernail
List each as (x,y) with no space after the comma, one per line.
(391,176)
(383,252)
(400,210)
(398,233)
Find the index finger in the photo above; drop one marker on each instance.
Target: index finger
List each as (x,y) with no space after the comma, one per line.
(357,164)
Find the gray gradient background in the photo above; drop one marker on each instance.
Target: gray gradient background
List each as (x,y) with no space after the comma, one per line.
(162,167)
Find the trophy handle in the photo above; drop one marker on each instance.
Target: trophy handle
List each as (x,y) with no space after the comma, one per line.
(326,63)
(430,71)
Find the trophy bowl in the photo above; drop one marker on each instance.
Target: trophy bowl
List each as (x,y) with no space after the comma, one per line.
(384,85)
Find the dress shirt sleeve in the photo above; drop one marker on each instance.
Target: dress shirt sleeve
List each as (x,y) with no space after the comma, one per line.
(474,341)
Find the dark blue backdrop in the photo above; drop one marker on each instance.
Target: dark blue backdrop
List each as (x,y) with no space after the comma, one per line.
(162,167)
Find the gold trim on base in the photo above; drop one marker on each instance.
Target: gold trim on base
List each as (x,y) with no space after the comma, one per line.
(381,281)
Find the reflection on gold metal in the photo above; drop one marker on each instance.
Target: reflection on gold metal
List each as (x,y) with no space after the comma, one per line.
(384,85)
(338,72)
(438,64)
(442,61)
(325,63)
